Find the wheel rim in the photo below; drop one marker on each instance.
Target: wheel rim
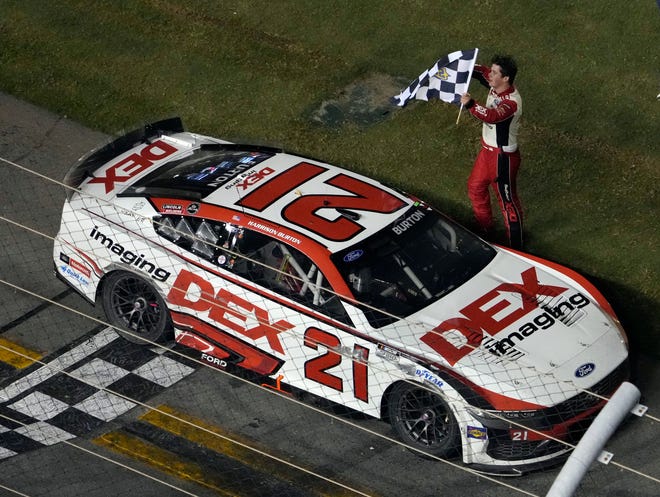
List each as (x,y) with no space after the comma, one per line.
(136,305)
(425,418)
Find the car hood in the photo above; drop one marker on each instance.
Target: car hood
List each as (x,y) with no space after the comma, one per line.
(520,329)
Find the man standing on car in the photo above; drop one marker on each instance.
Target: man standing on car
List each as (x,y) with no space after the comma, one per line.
(499,158)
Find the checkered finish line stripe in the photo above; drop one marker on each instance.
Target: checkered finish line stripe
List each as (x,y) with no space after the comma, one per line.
(46,406)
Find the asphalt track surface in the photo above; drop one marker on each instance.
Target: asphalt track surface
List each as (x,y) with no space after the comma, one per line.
(173,429)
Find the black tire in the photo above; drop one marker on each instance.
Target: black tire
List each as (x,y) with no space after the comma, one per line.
(133,306)
(423,420)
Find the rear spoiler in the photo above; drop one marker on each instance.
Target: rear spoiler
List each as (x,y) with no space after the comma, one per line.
(90,162)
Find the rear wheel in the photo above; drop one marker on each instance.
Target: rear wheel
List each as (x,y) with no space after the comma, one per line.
(135,308)
(423,420)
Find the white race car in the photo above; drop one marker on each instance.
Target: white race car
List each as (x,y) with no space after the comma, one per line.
(330,282)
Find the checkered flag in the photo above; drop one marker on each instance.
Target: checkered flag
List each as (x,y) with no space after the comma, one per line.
(447,80)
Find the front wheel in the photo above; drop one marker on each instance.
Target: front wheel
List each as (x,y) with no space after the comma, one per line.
(423,420)
(135,308)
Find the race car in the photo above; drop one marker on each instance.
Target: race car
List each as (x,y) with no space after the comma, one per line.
(329,282)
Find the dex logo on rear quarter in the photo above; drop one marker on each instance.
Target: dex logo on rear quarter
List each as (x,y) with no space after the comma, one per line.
(134,164)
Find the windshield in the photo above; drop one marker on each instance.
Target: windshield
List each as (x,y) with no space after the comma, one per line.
(411,263)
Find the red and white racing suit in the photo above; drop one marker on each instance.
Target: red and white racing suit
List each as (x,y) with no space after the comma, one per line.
(499,158)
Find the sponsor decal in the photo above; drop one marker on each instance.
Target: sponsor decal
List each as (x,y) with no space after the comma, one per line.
(408,222)
(353,255)
(229,348)
(426,375)
(275,232)
(230,174)
(67,271)
(477,432)
(138,218)
(76,265)
(493,312)
(193,341)
(442,74)
(253,179)
(542,321)
(172,209)
(192,208)
(134,164)
(226,309)
(214,361)
(128,257)
(585,370)
(387,353)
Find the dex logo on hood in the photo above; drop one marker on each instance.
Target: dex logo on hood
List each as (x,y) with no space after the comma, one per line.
(490,313)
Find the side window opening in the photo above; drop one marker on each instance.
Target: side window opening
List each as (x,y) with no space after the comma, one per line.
(287,271)
(199,236)
(256,257)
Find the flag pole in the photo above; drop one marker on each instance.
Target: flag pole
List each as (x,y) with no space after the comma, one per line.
(476,53)
(459,114)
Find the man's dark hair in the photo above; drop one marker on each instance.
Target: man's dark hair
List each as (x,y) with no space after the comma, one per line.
(508,65)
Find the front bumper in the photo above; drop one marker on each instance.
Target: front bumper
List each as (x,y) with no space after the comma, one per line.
(518,446)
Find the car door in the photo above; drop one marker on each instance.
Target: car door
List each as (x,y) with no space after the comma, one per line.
(265,306)
(323,352)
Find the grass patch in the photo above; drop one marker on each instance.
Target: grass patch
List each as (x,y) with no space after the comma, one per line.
(259,70)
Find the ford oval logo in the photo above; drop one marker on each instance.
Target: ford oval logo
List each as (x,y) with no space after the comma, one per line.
(351,256)
(585,370)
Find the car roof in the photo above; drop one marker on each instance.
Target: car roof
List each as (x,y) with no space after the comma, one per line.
(333,206)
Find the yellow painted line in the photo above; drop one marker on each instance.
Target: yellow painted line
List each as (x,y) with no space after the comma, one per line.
(221,441)
(198,431)
(161,459)
(16,356)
